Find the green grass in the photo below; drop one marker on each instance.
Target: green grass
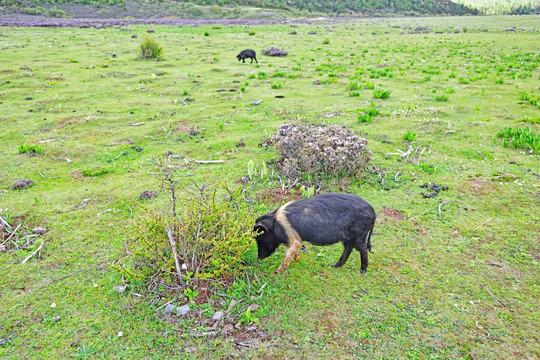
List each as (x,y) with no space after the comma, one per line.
(453,277)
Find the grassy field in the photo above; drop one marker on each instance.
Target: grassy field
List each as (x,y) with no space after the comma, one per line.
(452,277)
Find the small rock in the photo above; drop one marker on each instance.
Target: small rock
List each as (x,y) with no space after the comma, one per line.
(150,31)
(251,328)
(22,184)
(182,310)
(56,318)
(28,98)
(148,194)
(133,36)
(39,230)
(253,307)
(240,144)
(2,248)
(169,309)
(120,288)
(227,329)
(53,305)
(217,315)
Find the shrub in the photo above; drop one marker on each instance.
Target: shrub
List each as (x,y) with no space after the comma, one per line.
(251,33)
(381,94)
(441,98)
(276,85)
(521,138)
(319,150)
(57,13)
(205,239)
(274,51)
(206,33)
(409,136)
(353,85)
(150,49)
(326,41)
(32,149)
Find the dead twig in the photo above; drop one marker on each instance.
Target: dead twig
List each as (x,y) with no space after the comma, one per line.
(170,235)
(84,203)
(209,161)
(13,233)
(493,296)
(441,204)
(482,224)
(3,221)
(76,342)
(100,266)
(8,341)
(34,253)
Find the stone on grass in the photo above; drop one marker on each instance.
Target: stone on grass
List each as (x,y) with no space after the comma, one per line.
(169,308)
(217,315)
(22,184)
(182,310)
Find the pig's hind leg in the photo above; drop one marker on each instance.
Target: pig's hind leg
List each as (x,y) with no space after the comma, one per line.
(347,249)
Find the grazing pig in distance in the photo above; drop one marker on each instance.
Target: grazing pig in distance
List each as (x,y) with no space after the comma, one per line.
(248,53)
(323,219)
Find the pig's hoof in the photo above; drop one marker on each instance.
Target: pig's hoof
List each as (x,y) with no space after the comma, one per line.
(363,271)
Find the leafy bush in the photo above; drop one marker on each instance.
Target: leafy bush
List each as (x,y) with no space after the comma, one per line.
(381,94)
(205,239)
(57,13)
(441,98)
(276,85)
(150,49)
(251,33)
(521,138)
(30,148)
(326,41)
(319,150)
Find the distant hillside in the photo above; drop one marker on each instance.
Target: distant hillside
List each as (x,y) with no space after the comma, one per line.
(233,8)
(492,7)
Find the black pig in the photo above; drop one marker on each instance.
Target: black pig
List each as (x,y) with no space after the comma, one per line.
(248,53)
(323,219)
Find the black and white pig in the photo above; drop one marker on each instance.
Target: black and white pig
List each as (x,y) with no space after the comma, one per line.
(323,219)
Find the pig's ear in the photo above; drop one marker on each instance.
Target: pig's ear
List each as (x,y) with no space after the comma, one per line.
(260,228)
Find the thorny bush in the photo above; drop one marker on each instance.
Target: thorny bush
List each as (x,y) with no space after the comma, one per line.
(320,150)
(210,236)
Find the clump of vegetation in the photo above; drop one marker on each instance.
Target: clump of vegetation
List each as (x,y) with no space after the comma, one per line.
(381,94)
(274,51)
(276,85)
(206,33)
(441,98)
(251,33)
(326,41)
(150,49)
(204,238)
(365,115)
(353,86)
(520,138)
(32,149)
(319,150)
(409,136)
(94,172)
(529,97)
(532,120)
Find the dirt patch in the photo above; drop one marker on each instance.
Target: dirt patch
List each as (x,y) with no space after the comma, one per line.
(72,120)
(478,186)
(389,213)
(277,196)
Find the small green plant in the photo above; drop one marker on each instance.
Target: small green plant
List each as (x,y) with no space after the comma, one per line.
(409,136)
(150,49)
(369,85)
(206,33)
(441,98)
(185,92)
(307,192)
(247,317)
(326,41)
(354,86)
(520,138)
(365,115)
(381,94)
(531,120)
(263,171)
(190,293)
(221,126)
(354,93)
(94,172)
(251,33)
(30,148)
(276,85)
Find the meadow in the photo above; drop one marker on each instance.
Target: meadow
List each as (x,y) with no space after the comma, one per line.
(439,101)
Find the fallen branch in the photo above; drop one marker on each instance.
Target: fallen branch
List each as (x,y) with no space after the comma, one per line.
(175,254)
(3,221)
(209,161)
(493,296)
(84,201)
(13,233)
(482,224)
(34,253)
